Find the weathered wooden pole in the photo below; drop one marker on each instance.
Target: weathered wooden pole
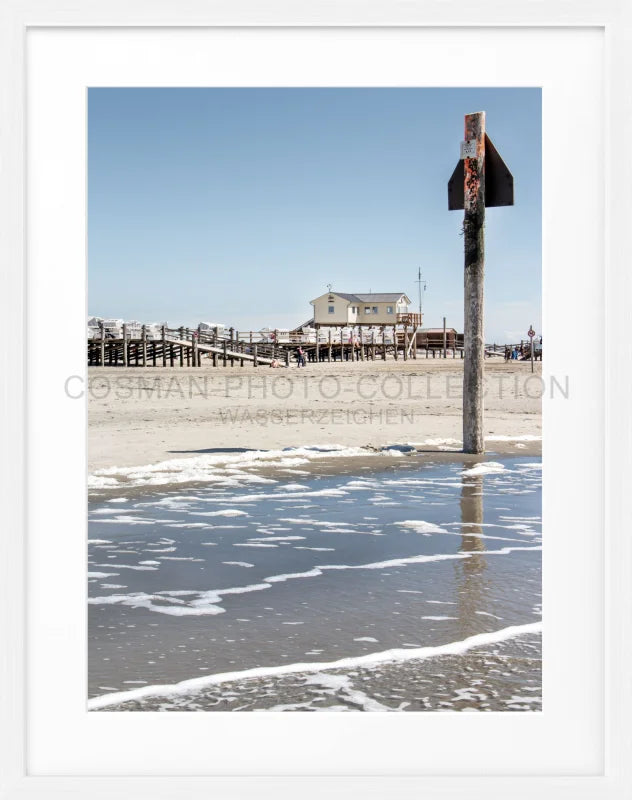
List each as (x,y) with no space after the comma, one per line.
(144,344)
(194,344)
(164,346)
(474,263)
(445,340)
(125,353)
(102,327)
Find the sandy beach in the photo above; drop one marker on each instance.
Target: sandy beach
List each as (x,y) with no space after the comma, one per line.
(143,416)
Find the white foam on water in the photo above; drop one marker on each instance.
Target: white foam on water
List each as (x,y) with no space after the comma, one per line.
(217,467)
(253,544)
(421,526)
(311,573)
(227,512)
(188,525)
(114,511)
(439,619)
(127,566)
(276,538)
(126,520)
(485,468)
(118,500)
(102,574)
(238,563)
(371,659)
(364,639)
(99,541)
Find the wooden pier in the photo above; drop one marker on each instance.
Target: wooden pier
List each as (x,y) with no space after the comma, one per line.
(179,347)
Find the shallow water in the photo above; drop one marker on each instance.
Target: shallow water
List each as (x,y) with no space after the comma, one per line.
(316,568)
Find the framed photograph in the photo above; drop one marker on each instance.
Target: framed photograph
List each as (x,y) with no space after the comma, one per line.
(316,401)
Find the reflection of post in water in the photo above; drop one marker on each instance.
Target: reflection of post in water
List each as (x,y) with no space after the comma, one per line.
(470,572)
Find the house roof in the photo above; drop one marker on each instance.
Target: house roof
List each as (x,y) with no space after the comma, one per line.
(389,297)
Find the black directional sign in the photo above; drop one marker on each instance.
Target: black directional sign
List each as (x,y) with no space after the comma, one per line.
(499,189)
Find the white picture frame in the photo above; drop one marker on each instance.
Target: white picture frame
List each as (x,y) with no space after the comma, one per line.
(616,22)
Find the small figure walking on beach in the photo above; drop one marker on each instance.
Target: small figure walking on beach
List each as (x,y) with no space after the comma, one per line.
(300,356)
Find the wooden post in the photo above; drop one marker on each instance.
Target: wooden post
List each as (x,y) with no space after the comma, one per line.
(102,343)
(254,354)
(531,338)
(164,347)
(317,346)
(395,341)
(405,342)
(194,349)
(474,264)
(125,353)
(225,348)
(329,353)
(445,340)
(383,342)
(144,335)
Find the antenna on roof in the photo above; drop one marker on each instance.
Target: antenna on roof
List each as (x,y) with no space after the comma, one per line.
(329,285)
(422,288)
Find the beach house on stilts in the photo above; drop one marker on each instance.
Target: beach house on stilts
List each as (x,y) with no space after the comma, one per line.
(372,309)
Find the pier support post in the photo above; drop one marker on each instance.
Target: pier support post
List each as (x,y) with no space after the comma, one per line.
(144,336)
(102,343)
(164,346)
(125,353)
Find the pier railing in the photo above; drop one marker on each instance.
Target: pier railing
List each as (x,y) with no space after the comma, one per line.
(145,345)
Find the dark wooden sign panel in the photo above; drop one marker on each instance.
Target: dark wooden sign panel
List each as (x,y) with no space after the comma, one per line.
(499,189)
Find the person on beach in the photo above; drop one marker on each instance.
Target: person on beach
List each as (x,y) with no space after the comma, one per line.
(300,356)
(274,363)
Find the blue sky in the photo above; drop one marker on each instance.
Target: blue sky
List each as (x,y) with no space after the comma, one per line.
(241,205)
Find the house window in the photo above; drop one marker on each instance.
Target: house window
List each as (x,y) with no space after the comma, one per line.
(354,309)
(330,309)
(367,309)
(389,309)
(375,309)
